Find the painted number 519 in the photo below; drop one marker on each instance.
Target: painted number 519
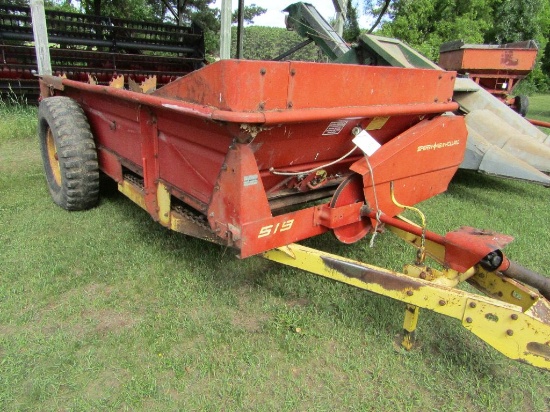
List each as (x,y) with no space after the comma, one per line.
(272,229)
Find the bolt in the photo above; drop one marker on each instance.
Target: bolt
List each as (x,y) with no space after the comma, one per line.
(509,332)
(473,305)
(262,106)
(514,316)
(423,275)
(442,302)
(469,320)
(436,99)
(292,72)
(224,166)
(356,130)
(500,294)
(290,105)
(409,292)
(211,214)
(263,71)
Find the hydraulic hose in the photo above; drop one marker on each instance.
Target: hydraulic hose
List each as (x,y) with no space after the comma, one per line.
(524,275)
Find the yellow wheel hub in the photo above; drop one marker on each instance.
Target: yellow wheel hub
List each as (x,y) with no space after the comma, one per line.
(53,157)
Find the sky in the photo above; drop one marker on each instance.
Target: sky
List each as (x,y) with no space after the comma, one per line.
(274,17)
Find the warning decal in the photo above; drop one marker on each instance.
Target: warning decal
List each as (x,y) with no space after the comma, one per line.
(335,127)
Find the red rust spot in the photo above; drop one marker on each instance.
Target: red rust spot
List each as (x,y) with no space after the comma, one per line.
(388,281)
(539,349)
(541,311)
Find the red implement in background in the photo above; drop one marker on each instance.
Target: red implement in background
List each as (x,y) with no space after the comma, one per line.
(496,68)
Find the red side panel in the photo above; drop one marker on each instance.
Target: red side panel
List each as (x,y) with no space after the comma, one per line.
(421,162)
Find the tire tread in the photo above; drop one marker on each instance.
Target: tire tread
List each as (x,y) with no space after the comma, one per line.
(79,189)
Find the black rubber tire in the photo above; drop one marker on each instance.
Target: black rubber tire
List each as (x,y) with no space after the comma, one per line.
(69,153)
(521,104)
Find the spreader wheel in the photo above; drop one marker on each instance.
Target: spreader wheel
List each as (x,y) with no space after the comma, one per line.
(521,104)
(350,191)
(68,153)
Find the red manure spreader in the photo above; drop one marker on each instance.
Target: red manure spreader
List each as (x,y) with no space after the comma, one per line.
(258,155)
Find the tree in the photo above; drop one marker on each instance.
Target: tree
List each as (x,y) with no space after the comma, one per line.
(149,10)
(249,12)
(516,20)
(184,12)
(351,25)
(426,24)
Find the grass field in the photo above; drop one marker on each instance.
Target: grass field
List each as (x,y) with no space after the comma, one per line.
(106,310)
(540,108)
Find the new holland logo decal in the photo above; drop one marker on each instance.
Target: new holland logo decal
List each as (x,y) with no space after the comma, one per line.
(437,146)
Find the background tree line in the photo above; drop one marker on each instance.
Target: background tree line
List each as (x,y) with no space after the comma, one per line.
(423,24)
(426,24)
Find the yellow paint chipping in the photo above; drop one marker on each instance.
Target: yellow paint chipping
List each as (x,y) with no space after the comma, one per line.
(377,123)
(517,333)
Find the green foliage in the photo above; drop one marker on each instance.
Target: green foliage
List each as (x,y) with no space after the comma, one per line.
(18,119)
(266,43)
(147,10)
(426,24)
(517,20)
(249,13)
(351,25)
(58,5)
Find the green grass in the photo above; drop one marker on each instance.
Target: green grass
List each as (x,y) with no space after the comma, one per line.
(18,119)
(539,108)
(106,310)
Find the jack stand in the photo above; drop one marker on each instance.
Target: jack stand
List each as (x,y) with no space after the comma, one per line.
(409,326)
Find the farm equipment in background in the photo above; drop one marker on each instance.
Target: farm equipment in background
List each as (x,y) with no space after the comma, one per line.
(496,68)
(87,46)
(500,141)
(258,155)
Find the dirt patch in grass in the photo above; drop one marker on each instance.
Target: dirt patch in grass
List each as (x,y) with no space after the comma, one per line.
(110,321)
(300,303)
(249,321)
(108,381)
(248,316)
(64,308)
(7,331)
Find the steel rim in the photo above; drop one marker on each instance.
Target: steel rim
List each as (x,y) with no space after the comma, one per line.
(53,157)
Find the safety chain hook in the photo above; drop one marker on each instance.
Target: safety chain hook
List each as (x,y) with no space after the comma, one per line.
(421,252)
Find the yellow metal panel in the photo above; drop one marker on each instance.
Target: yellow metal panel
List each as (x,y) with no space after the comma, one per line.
(377,123)
(504,288)
(409,326)
(425,294)
(434,250)
(163,203)
(134,193)
(516,334)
